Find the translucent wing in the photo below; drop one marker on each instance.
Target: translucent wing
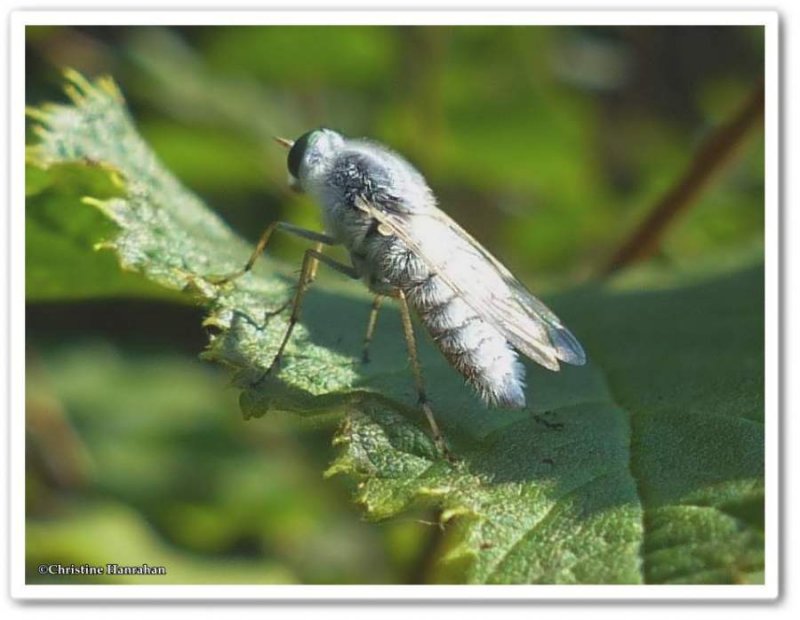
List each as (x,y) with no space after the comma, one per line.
(483,282)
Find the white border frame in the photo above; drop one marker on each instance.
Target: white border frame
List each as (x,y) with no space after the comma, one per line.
(20,590)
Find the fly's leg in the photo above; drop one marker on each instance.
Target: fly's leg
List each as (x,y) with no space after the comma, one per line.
(373,319)
(422,398)
(311,259)
(320,238)
(312,275)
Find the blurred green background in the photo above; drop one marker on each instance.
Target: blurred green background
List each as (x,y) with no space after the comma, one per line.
(550,144)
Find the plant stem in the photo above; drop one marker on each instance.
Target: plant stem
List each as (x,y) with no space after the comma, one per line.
(716,151)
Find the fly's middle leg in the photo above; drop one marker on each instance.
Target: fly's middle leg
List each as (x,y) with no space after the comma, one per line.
(373,319)
(312,275)
(422,398)
(311,260)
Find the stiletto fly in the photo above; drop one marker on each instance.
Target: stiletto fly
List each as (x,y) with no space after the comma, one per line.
(380,208)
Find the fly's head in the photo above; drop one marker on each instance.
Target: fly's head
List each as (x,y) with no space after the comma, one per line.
(309,156)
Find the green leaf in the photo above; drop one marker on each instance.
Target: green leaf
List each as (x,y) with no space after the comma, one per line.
(62,236)
(645,466)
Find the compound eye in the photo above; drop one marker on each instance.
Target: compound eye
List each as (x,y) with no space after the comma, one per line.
(297,152)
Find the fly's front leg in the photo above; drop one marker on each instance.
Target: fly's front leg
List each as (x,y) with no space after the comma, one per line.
(311,235)
(311,260)
(373,319)
(422,398)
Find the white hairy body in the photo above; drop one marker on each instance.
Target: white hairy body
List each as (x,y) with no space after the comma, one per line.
(472,346)
(381,209)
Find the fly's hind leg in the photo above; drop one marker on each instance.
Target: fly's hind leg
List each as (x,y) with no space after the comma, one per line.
(422,398)
(311,260)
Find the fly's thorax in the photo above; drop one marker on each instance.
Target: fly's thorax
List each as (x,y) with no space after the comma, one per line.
(384,262)
(336,189)
(361,171)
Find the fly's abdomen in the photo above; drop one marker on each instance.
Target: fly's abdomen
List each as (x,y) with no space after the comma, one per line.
(472,346)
